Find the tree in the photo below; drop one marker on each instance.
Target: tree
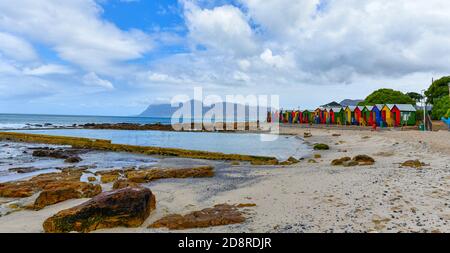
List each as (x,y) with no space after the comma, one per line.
(387,96)
(441,107)
(415,96)
(438,89)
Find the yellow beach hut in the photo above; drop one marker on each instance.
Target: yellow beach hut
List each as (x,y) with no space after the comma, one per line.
(386,115)
(349,114)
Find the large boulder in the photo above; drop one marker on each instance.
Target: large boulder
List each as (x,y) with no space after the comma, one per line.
(128,207)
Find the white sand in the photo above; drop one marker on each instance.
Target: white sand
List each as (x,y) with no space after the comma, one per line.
(313,197)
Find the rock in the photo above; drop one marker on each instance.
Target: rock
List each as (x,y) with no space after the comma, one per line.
(290,161)
(413,164)
(317,156)
(364,160)
(312,161)
(23,170)
(307,135)
(336,135)
(50,153)
(235,163)
(73,159)
(123,183)
(350,163)
(109,178)
(92,179)
(145,176)
(128,207)
(58,153)
(321,146)
(219,215)
(337,162)
(245,205)
(23,189)
(59,192)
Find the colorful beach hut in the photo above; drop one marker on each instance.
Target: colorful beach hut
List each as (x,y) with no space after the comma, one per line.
(367,116)
(349,114)
(306,116)
(386,115)
(357,113)
(335,115)
(318,115)
(376,114)
(408,114)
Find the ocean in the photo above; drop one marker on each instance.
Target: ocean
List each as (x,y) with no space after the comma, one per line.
(19,121)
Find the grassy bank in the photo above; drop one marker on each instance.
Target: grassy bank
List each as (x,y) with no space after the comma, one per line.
(106,145)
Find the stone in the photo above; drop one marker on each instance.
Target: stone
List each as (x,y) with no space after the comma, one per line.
(312,161)
(218,215)
(317,156)
(59,192)
(364,160)
(128,207)
(124,183)
(73,159)
(307,135)
(321,146)
(350,163)
(23,170)
(290,161)
(145,176)
(337,162)
(413,164)
(23,189)
(92,179)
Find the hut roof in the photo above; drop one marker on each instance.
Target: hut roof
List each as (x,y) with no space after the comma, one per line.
(336,109)
(351,107)
(403,107)
(369,107)
(360,107)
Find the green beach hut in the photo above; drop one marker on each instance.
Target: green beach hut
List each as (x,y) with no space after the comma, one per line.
(408,114)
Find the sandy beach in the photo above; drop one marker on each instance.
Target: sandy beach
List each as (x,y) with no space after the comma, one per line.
(306,197)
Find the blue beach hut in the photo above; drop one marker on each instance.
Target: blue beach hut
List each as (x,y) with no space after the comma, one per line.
(376,114)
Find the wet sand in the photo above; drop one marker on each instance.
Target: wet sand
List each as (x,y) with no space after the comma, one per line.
(308,197)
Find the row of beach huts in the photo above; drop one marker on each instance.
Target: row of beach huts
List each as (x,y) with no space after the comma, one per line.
(384,115)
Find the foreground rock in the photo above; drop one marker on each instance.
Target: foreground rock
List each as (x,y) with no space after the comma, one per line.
(361,160)
(23,189)
(321,146)
(59,192)
(219,215)
(53,188)
(413,164)
(128,207)
(145,176)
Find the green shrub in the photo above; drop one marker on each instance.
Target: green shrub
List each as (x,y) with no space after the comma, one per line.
(441,108)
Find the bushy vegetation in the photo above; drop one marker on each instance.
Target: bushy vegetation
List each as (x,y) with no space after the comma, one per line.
(437,90)
(441,108)
(388,96)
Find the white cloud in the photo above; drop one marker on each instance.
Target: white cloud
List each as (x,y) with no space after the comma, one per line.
(92,79)
(223,28)
(48,69)
(16,48)
(75,30)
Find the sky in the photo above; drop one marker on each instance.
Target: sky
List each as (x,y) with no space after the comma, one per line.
(115,57)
